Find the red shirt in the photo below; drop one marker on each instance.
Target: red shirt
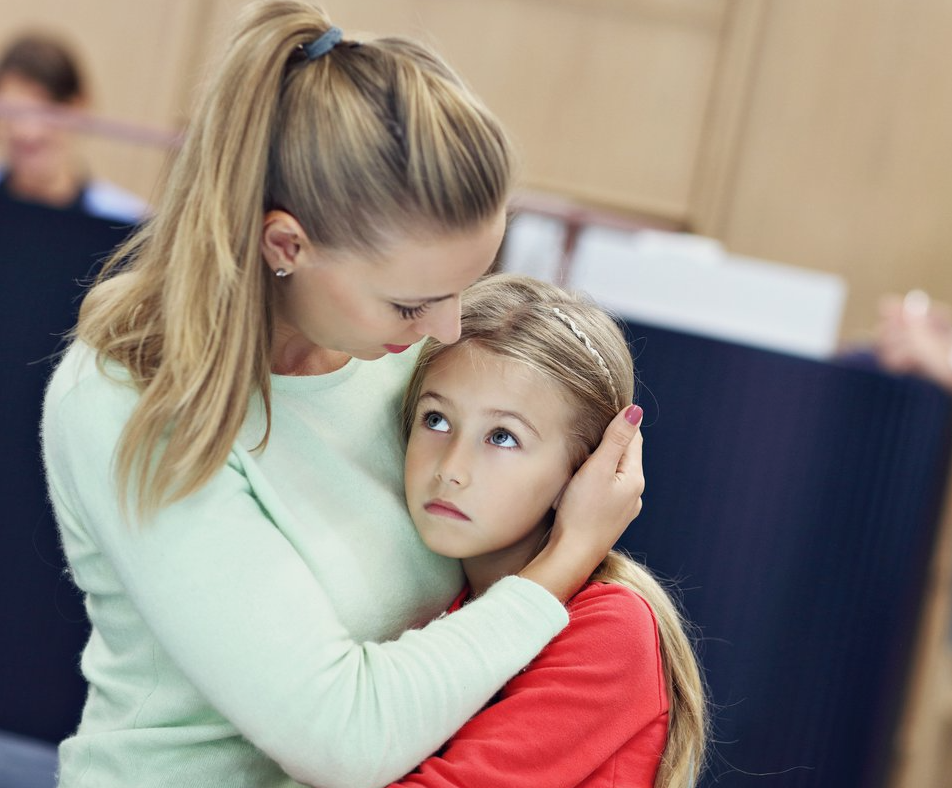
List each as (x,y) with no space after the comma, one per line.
(590,711)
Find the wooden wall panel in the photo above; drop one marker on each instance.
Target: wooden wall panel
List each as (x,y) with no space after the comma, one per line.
(606,100)
(812,133)
(844,161)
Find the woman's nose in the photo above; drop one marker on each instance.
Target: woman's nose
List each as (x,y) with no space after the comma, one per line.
(442,322)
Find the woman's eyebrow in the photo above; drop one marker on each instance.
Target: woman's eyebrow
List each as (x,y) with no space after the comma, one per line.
(419,301)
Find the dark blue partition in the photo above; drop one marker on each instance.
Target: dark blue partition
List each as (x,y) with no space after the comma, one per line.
(796,503)
(44,255)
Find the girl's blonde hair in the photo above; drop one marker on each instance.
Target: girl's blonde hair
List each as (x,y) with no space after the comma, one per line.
(580,348)
(366,143)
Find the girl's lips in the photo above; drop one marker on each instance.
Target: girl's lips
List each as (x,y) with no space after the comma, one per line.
(396,348)
(444,509)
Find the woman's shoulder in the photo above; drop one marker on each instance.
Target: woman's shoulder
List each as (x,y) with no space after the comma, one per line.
(87,387)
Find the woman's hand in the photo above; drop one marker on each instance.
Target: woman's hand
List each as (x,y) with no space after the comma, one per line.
(599,502)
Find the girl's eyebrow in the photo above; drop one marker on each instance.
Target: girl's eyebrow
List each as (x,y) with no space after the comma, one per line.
(493,412)
(502,414)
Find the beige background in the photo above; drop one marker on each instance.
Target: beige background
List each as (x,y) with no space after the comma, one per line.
(813,132)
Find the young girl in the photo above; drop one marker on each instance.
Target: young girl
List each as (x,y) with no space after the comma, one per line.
(221,444)
(496,425)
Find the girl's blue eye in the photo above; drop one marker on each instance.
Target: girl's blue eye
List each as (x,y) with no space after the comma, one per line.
(504,439)
(411,312)
(436,422)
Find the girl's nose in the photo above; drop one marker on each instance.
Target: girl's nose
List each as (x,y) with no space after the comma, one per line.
(453,467)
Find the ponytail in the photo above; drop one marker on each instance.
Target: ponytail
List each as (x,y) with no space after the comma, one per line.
(184,304)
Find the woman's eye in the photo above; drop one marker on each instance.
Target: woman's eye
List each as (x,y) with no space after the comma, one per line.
(436,422)
(411,312)
(504,439)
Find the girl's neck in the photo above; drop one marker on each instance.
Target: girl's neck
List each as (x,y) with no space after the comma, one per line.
(484,570)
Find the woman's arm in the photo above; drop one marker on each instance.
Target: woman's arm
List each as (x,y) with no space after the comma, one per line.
(219,594)
(597,688)
(603,497)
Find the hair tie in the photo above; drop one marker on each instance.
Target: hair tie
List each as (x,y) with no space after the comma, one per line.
(589,346)
(323,44)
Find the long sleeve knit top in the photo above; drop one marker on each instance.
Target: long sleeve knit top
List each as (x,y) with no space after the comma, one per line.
(255,633)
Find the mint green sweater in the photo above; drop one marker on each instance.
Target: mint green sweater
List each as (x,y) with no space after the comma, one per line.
(253,634)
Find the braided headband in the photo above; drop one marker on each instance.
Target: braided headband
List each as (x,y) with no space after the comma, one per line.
(323,44)
(588,344)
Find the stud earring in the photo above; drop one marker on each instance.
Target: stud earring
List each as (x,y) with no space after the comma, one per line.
(281,273)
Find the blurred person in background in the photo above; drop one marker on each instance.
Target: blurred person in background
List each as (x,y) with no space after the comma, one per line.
(41,90)
(914,337)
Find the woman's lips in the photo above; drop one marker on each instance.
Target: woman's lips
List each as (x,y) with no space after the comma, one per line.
(444,509)
(396,348)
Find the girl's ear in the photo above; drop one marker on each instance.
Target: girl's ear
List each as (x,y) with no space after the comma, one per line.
(573,465)
(282,239)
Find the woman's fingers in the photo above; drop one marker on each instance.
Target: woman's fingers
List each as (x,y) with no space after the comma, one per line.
(605,493)
(614,453)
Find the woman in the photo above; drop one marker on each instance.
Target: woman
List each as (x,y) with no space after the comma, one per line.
(221,441)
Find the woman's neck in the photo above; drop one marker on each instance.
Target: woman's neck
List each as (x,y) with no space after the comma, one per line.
(292,354)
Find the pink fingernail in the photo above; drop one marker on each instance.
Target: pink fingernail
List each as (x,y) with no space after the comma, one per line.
(633,414)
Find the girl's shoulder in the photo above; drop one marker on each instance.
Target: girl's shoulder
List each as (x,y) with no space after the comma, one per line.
(614,594)
(615,610)
(612,637)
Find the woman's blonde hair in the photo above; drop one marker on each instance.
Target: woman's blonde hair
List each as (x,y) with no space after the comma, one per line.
(580,348)
(372,141)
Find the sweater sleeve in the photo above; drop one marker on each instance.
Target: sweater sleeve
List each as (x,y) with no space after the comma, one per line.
(233,605)
(588,694)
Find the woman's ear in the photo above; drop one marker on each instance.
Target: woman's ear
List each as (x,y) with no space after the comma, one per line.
(282,239)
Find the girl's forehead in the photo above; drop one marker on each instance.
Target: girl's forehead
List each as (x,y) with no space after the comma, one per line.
(470,359)
(467,355)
